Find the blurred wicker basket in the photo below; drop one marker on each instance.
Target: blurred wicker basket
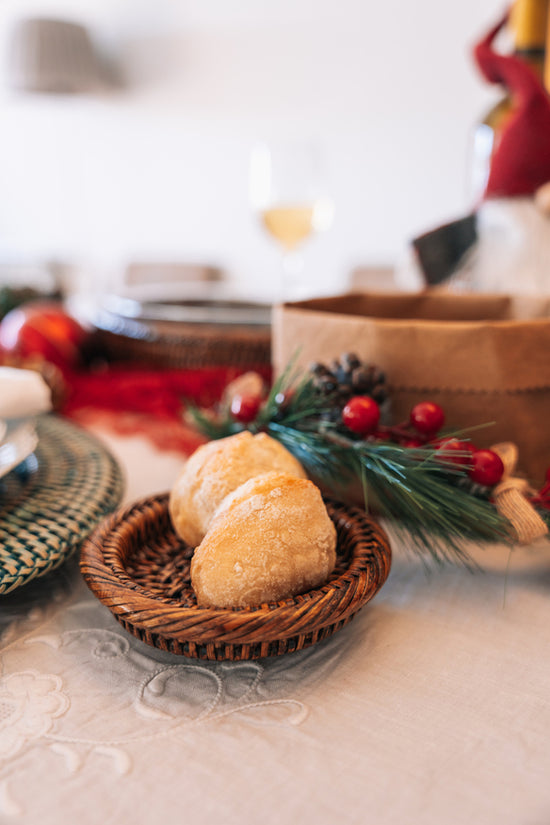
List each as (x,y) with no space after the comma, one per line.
(136,565)
(214,335)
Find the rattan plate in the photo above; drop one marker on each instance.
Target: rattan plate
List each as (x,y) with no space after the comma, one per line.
(136,565)
(53,500)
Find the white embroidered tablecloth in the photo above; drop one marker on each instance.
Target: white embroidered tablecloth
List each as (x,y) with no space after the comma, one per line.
(431,707)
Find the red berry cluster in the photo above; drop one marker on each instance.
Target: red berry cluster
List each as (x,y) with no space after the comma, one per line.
(361,415)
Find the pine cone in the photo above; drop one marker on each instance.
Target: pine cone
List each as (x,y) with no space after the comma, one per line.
(346,377)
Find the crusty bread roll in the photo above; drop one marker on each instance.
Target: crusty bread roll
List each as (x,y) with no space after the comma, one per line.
(216,469)
(270,539)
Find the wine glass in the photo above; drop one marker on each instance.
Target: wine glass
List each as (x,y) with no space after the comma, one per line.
(288,191)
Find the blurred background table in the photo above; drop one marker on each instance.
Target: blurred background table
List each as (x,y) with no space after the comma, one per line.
(430,707)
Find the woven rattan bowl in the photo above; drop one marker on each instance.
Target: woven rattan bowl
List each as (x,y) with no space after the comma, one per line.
(136,565)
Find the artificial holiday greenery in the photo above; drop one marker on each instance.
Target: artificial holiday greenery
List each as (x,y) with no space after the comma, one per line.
(420,485)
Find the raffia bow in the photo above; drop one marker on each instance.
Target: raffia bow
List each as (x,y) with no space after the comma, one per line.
(510,497)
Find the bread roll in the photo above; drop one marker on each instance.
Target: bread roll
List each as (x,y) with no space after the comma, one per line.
(216,469)
(270,539)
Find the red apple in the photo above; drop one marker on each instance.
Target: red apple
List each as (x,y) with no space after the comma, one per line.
(46,329)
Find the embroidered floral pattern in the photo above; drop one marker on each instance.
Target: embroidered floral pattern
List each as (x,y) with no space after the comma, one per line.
(29,703)
(143,696)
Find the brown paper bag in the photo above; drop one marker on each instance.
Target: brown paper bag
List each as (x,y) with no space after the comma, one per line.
(483,358)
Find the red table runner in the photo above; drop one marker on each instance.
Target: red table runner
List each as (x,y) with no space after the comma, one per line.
(131,400)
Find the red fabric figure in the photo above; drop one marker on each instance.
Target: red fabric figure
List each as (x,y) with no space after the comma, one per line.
(521,159)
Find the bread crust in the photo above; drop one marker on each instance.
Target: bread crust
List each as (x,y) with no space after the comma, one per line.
(216,469)
(270,539)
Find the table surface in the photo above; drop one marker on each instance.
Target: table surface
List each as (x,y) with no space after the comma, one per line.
(431,706)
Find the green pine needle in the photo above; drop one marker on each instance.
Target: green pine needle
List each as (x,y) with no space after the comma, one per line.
(428,501)
(407,487)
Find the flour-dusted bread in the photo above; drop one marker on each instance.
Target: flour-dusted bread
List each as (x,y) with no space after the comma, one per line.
(270,539)
(216,469)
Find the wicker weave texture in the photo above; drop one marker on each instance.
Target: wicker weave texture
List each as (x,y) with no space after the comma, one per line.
(137,566)
(184,346)
(53,501)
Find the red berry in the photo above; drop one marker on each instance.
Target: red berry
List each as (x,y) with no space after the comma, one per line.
(244,408)
(283,399)
(454,451)
(487,467)
(427,417)
(412,442)
(361,414)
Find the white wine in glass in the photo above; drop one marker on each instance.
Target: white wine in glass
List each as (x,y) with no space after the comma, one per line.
(287,190)
(289,224)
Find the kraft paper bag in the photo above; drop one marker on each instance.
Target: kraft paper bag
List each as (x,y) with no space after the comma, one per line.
(483,358)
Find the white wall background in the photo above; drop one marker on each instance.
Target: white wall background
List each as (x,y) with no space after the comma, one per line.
(158,168)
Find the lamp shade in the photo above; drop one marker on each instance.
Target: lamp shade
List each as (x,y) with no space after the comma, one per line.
(52,56)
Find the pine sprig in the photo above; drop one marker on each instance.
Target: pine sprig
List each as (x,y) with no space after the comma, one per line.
(213,428)
(429,500)
(407,487)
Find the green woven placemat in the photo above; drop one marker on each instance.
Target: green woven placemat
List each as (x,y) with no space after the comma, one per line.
(53,500)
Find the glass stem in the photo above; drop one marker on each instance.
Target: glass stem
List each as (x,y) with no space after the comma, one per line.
(292,268)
